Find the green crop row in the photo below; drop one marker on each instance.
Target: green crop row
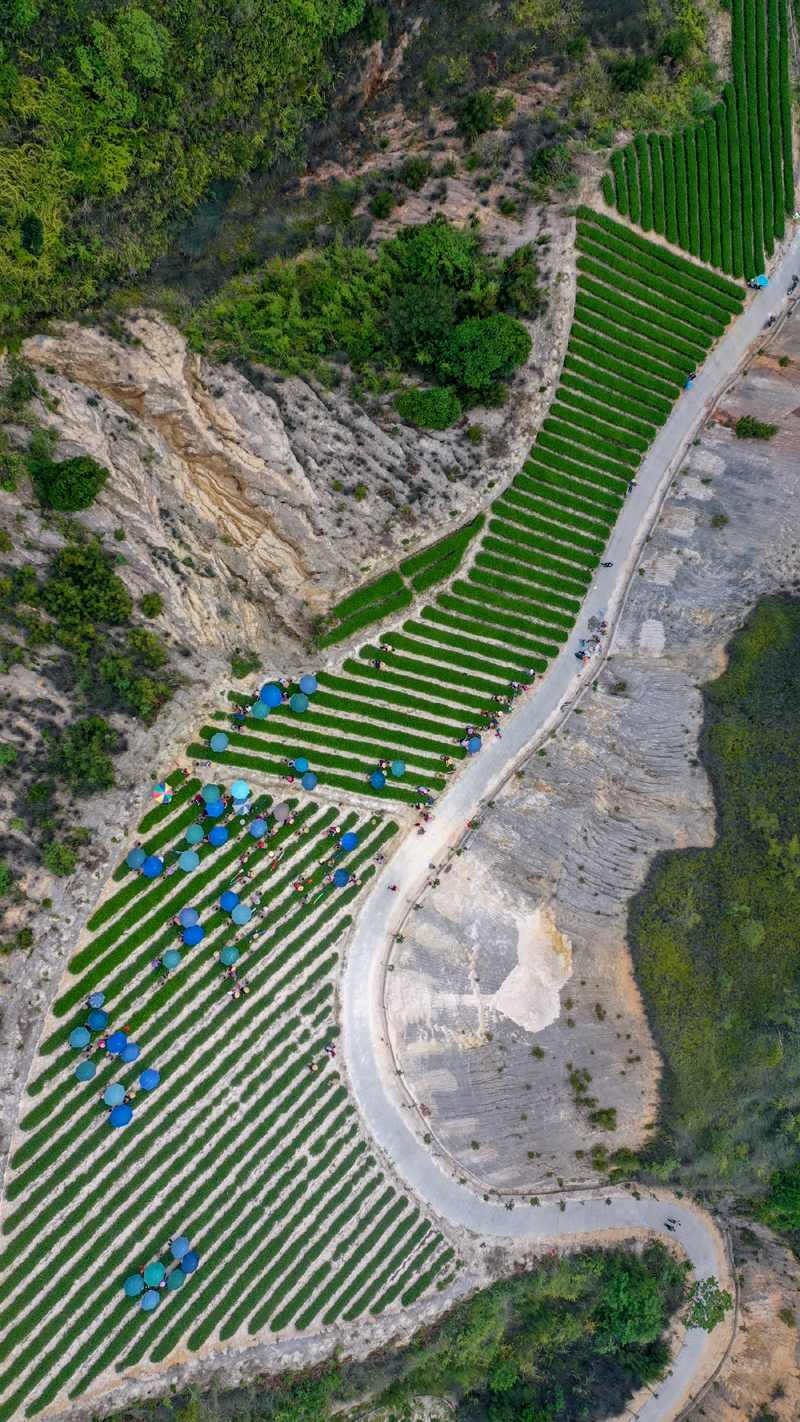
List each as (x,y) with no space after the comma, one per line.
(607,189)
(764,145)
(475,625)
(495,620)
(645,182)
(657,170)
(491,661)
(786,108)
(721,150)
(576,432)
(383,684)
(552,591)
(670,193)
(484,587)
(570,463)
(562,440)
(620,183)
(533,522)
(735,170)
(388,585)
(565,574)
(554,489)
(704,193)
(587,315)
(562,547)
(751,71)
(681,188)
(594,350)
(162,811)
(692,197)
(425,1280)
(559,510)
(773,91)
(651,281)
(438,572)
(601,423)
(556,473)
(714,255)
(629,159)
(682,321)
(373,612)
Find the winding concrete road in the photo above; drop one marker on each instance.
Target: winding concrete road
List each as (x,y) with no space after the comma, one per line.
(369,1063)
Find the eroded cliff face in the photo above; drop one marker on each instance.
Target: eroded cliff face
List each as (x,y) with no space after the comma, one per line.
(251,503)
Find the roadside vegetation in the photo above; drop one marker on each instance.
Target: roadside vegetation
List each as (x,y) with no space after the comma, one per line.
(714,936)
(569,1341)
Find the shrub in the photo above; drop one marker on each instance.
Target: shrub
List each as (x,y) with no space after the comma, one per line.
(607,189)
(415,173)
(59,858)
(31,234)
(483,350)
(82,588)
(520,293)
(750,428)
(6,879)
(629,75)
(243,663)
(150,605)
(8,755)
(69,485)
(434,409)
(708,1304)
(481,111)
(382,205)
(80,754)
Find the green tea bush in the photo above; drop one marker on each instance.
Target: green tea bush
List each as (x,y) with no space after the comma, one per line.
(620,183)
(703,190)
(692,192)
(689,277)
(735,168)
(751,71)
(657,171)
(645,182)
(763,109)
(714,195)
(681,188)
(670,190)
(774,96)
(632,176)
(786,108)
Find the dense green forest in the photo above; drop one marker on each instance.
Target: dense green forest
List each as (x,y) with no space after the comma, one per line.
(714,934)
(116,118)
(569,1341)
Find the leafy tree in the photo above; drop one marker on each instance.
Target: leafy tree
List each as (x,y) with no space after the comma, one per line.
(150,604)
(628,75)
(480,111)
(81,754)
(82,588)
(520,294)
(421,316)
(483,350)
(31,234)
(59,858)
(708,1304)
(434,409)
(69,485)
(382,205)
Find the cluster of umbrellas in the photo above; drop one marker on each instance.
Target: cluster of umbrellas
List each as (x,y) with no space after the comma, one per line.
(146,1286)
(117,1045)
(378,779)
(239,912)
(148,864)
(347,843)
(193,932)
(308,779)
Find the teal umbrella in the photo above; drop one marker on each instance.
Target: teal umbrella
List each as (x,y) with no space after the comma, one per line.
(150,1300)
(114,1094)
(154,1273)
(194,834)
(85,1070)
(175,1278)
(219,742)
(79,1037)
(134,1286)
(171,959)
(210,793)
(188,861)
(229,956)
(298,702)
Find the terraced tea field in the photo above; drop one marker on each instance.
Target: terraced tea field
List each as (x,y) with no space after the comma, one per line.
(720,188)
(644,319)
(249,1144)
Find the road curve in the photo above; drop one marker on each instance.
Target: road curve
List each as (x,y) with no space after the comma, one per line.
(369,1063)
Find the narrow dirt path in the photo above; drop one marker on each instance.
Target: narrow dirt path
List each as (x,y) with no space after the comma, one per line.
(588,1216)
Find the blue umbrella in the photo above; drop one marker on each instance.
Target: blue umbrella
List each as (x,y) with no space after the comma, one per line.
(210,793)
(398,769)
(240,790)
(349,841)
(377,780)
(116,1042)
(85,1070)
(228,900)
(149,1079)
(194,834)
(298,702)
(179,1247)
(129,1053)
(150,1300)
(762,280)
(114,1094)
(340,878)
(259,711)
(308,684)
(152,866)
(474,744)
(175,1278)
(188,917)
(120,1115)
(188,861)
(257,827)
(190,1261)
(96,999)
(301,764)
(193,935)
(96,1019)
(217,836)
(270,694)
(242,913)
(80,1037)
(135,858)
(134,1286)
(229,956)
(309,781)
(219,741)
(215,808)
(171,959)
